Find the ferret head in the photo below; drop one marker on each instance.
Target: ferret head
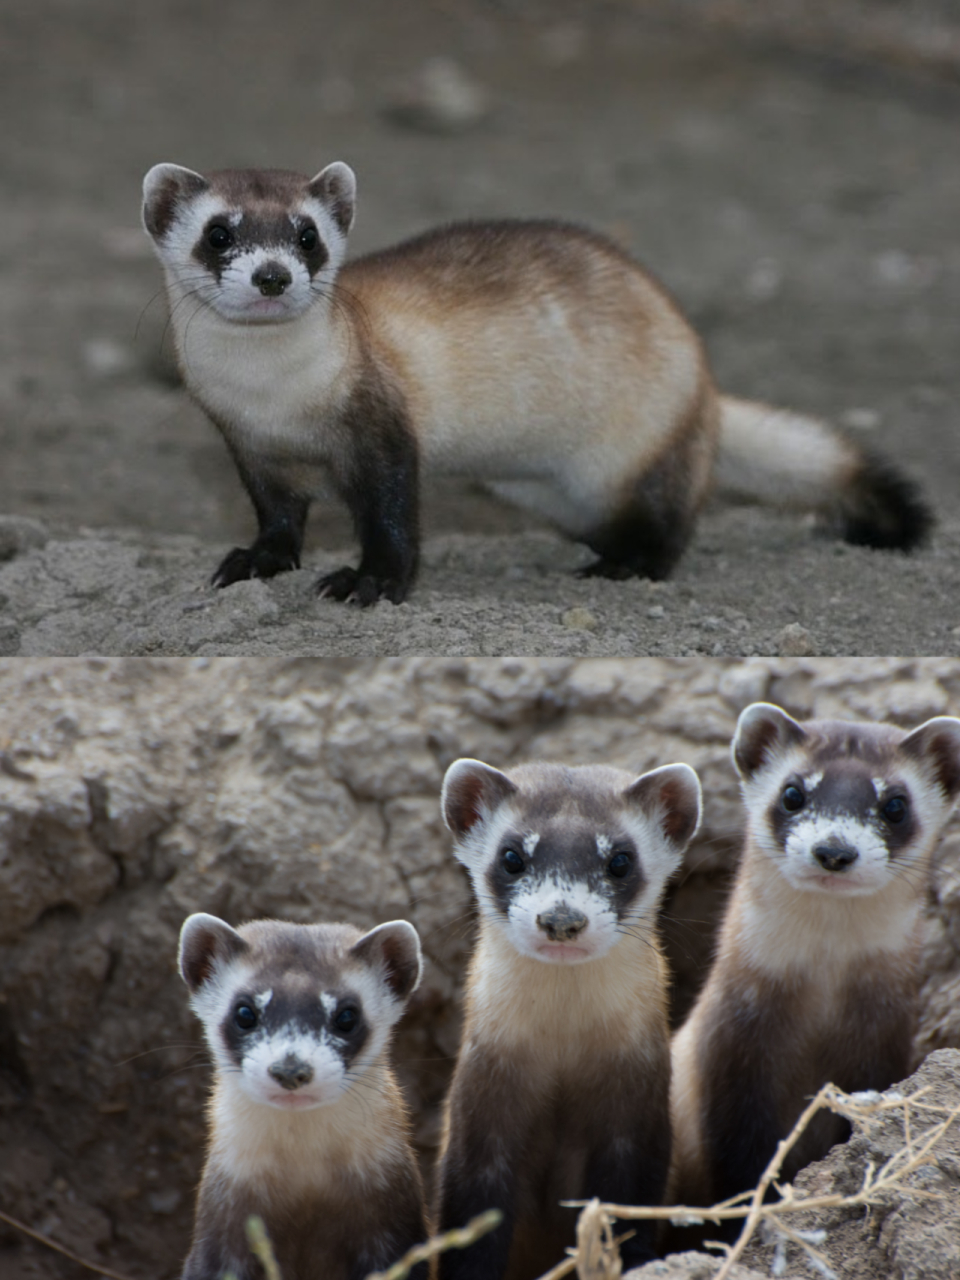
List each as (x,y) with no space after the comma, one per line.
(257,245)
(845,808)
(566,861)
(297,1012)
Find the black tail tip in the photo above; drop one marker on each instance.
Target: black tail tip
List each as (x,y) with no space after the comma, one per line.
(883,508)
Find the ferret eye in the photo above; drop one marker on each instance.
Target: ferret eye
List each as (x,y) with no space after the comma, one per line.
(792,799)
(244,1017)
(219,237)
(346,1020)
(619,864)
(309,239)
(511,861)
(895,810)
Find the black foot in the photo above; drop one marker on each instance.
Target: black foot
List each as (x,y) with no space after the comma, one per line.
(253,562)
(617,571)
(610,569)
(359,588)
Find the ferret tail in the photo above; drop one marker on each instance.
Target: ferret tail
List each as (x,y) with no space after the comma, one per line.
(786,459)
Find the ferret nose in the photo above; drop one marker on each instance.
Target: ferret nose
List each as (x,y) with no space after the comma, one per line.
(271,278)
(291,1072)
(562,923)
(835,857)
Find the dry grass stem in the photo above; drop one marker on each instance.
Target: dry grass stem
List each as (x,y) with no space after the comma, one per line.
(59,1248)
(261,1246)
(459,1238)
(860,1110)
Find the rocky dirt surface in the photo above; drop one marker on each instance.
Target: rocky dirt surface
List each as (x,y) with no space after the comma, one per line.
(135,791)
(790,171)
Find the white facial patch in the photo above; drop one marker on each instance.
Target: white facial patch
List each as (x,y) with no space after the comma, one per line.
(762,789)
(604,845)
(236,296)
(263,999)
(538,900)
(530,843)
(868,873)
(317,1053)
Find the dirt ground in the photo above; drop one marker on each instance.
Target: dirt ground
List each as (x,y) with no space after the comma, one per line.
(791,175)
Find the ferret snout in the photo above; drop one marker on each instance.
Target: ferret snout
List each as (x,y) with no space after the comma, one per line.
(835,857)
(271,278)
(562,923)
(291,1072)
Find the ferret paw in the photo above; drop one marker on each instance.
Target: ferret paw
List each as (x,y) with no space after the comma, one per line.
(354,587)
(252,562)
(607,569)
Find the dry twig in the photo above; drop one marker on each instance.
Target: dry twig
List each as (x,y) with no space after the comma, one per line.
(59,1248)
(459,1238)
(860,1109)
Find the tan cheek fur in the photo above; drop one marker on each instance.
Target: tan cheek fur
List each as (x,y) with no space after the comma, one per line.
(517,1005)
(289,1153)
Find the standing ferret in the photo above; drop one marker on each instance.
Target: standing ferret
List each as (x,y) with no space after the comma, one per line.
(308,1128)
(561,1088)
(816,973)
(536,357)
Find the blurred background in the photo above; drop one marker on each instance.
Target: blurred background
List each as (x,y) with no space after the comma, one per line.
(790,170)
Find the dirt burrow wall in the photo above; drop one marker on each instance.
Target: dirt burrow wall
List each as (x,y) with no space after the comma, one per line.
(133,792)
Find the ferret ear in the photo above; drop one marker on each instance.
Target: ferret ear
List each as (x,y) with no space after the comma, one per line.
(762,730)
(393,949)
(936,744)
(164,188)
(671,796)
(336,188)
(471,792)
(206,942)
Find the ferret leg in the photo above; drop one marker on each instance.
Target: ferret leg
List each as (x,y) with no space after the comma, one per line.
(281,515)
(381,488)
(631,1167)
(479,1169)
(648,534)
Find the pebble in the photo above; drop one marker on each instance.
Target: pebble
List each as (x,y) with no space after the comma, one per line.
(440,98)
(860,419)
(579,619)
(20,533)
(795,641)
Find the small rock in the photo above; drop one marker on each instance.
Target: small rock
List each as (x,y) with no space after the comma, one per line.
(795,641)
(441,98)
(860,419)
(20,533)
(656,611)
(764,280)
(105,358)
(579,619)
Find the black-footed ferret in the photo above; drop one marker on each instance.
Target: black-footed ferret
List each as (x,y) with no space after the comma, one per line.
(561,1089)
(308,1128)
(815,977)
(536,357)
